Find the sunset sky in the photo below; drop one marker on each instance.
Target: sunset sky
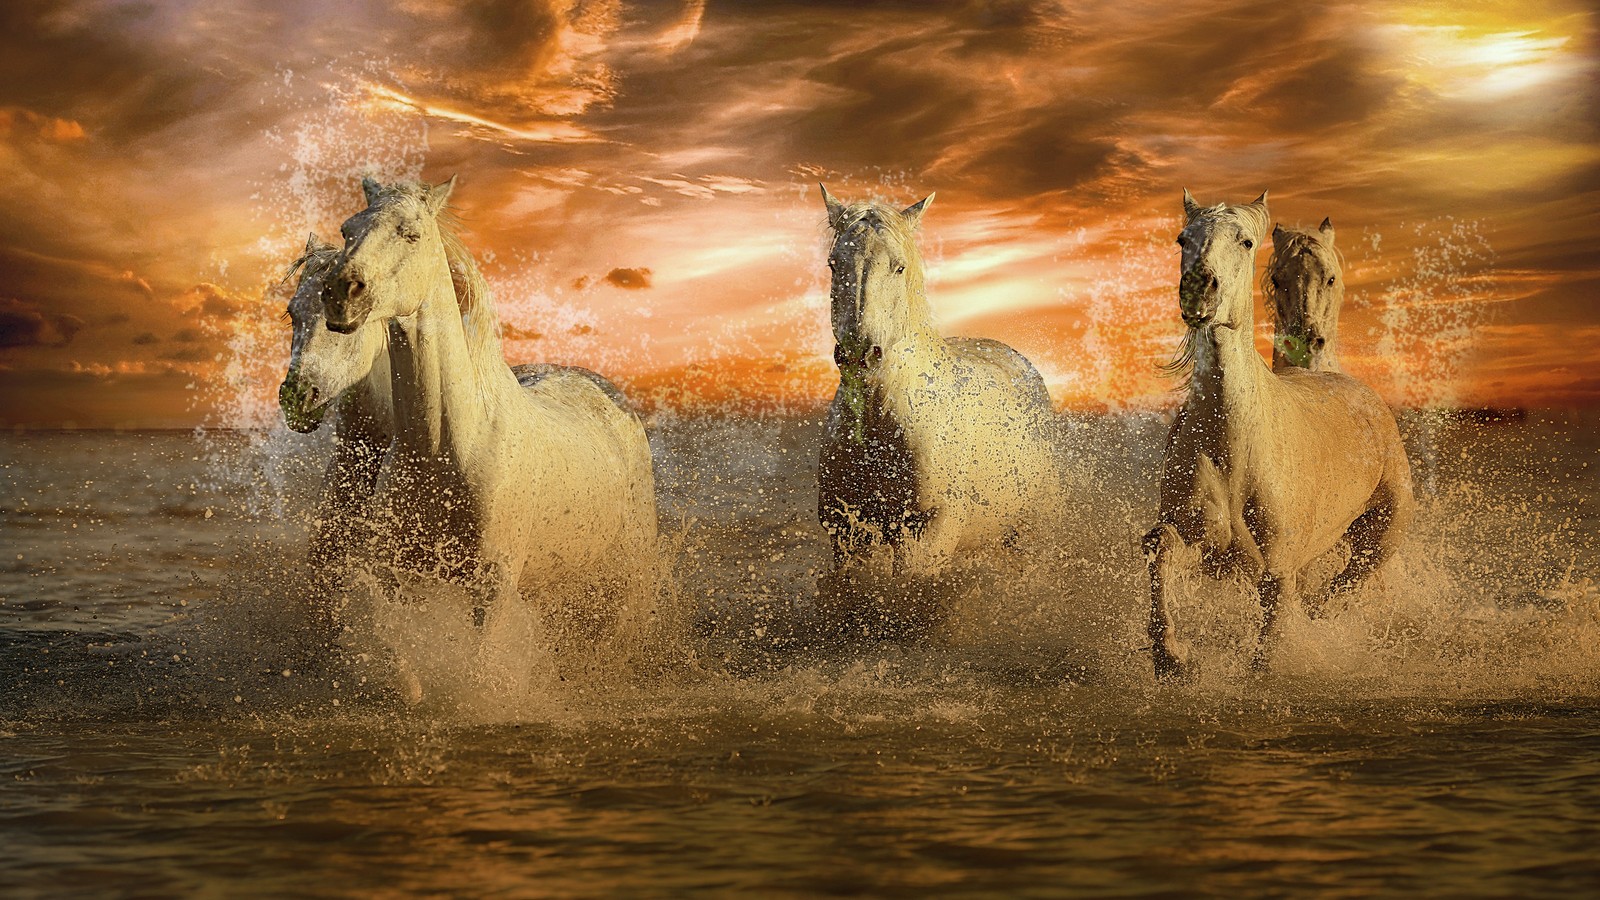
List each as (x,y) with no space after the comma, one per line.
(639,182)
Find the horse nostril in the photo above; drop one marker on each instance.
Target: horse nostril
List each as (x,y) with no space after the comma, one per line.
(1213,283)
(1319,342)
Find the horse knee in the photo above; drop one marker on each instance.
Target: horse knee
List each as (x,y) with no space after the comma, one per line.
(1158,538)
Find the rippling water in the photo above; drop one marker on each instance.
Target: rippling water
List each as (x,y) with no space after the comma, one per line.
(162,729)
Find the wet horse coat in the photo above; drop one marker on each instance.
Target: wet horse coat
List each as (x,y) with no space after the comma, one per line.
(1263,472)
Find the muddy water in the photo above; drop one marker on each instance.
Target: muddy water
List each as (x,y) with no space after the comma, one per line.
(163,731)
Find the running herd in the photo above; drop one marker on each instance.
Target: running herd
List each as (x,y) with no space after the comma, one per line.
(535,483)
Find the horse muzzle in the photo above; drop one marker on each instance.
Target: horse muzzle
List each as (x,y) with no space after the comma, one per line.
(1198,295)
(298,402)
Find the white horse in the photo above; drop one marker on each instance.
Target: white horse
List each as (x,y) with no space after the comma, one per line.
(1263,472)
(535,483)
(931,445)
(322,364)
(1304,284)
(364,416)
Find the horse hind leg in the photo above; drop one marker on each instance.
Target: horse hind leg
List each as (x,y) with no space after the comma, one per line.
(1374,537)
(1163,548)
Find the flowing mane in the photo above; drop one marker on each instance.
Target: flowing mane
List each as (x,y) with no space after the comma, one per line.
(315,261)
(1293,242)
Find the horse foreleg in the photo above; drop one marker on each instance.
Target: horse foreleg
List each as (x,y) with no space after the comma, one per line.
(1274,590)
(1163,547)
(931,551)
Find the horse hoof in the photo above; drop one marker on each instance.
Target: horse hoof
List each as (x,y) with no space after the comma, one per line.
(1171,665)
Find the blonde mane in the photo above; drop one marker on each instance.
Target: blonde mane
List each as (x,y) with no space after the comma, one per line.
(315,262)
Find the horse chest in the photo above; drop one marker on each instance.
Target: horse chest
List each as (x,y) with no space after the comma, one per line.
(871,482)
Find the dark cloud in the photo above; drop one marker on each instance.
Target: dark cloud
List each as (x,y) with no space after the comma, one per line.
(631,279)
(23,326)
(158,153)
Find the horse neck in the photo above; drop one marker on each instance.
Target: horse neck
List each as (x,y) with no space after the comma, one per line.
(1230,383)
(442,395)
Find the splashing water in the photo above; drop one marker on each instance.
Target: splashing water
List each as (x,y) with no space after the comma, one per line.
(167,698)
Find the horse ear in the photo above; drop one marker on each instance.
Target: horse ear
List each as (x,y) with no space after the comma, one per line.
(371,189)
(313,243)
(1327,229)
(835,208)
(1259,207)
(439,193)
(1278,234)
(913,213)
(1189,206)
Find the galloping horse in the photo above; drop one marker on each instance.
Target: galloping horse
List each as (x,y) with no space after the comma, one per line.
(364,422)
(931,444)
(535,488)
(1263,472)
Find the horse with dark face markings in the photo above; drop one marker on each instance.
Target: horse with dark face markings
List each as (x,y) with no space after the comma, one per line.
(1263,472)
(1304,284)
(364,419)
(931,445)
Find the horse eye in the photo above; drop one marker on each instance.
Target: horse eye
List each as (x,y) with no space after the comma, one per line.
(1249,244)
(899,270)
(1330,280)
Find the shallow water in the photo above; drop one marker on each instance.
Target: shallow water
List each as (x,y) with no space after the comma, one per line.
(163,731)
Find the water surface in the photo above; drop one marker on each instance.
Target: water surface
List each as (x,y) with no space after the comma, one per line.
(163,730)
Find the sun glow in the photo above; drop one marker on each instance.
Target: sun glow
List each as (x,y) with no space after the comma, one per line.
(1454,62)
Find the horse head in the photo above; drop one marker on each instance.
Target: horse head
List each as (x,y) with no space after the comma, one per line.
(1304,284)
(1219,248)
(322,364)
(391,251)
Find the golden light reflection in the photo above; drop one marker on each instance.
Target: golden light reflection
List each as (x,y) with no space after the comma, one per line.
(554,132)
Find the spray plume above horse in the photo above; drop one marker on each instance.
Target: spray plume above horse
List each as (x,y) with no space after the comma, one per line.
(931,445)
(1263,472)
(1304,284)
(535,483)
